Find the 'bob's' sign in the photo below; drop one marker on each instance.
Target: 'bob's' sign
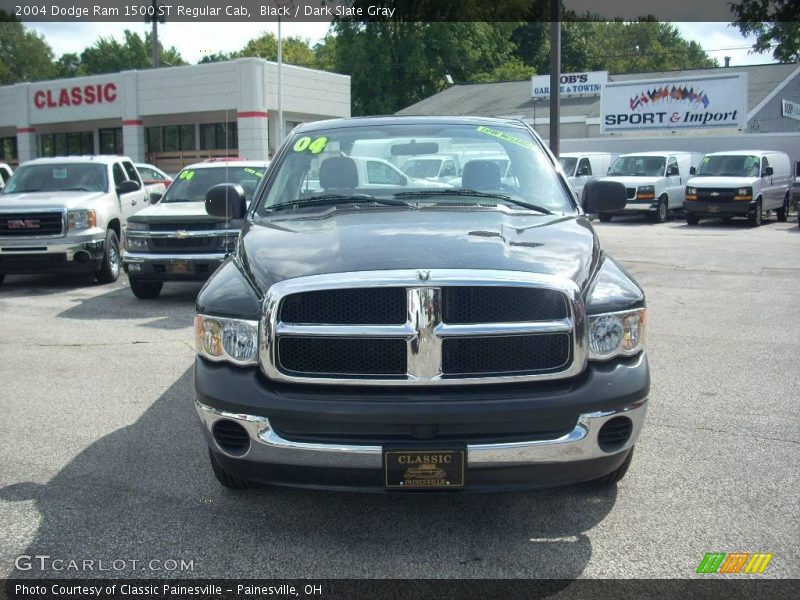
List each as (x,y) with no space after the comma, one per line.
(79,95)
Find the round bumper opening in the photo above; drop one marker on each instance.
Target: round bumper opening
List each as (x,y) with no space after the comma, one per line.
(614,434)
(231,437)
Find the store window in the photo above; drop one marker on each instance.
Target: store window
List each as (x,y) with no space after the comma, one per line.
(170,138)
(219,136)
(8,149)
(111,141)
(66,144)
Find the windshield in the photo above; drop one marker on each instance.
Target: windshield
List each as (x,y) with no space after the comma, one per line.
(568,164)
(730,166)
(504,164)
(639,166)
(66,177)
(191,184)
(422,167)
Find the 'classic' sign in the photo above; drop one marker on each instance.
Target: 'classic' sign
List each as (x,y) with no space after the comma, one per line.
(710,102)
(571,84)
(95,93)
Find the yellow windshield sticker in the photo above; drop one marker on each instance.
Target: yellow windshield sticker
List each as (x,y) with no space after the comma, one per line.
(250,171)
(507,137)
(313,146)
(187,175)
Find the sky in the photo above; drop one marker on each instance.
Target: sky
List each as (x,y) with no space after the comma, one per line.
(195,40)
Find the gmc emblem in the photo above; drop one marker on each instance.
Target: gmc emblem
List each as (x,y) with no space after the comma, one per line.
(23,224)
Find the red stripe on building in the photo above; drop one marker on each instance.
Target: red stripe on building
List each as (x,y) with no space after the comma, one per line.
(26,130)
(133,122)
(253,114)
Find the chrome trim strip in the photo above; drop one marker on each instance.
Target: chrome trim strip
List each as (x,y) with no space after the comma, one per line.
(269,447)
(181,233)
(424,329)
(140,257)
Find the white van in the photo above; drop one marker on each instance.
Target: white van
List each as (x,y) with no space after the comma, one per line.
(655,181)
(745,183)
(580,167)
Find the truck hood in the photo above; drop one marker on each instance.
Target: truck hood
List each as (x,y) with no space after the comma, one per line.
(285,246)
(721,182)
(48,200)
(177,212)
(633,181)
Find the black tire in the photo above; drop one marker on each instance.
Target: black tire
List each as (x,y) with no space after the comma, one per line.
(692,219)
(662,212)
(232,482)
(756,218)
(605,217)
(783,211)
(112,263)
(145,290)
(616,475)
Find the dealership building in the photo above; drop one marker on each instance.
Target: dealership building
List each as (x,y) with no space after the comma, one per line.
(699,110)
(170,116)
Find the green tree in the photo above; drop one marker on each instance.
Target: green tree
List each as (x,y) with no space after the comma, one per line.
(69,65)
(108,55)
(295,50)
(775,23)
(24,54)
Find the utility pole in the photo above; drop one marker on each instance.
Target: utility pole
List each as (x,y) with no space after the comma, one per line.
(155,19)
(555,74)
(280,86)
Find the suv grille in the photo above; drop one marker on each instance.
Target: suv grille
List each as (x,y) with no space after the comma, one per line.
(195,244)
(31,224)
(193,226)
(413,329)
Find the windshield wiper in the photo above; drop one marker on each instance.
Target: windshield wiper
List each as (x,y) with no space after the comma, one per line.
(77,189)
(337,199)
(474,194)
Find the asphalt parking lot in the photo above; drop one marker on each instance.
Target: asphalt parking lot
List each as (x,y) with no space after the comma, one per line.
(103,457)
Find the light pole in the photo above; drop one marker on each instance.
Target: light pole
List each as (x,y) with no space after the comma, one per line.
(555,74)
(280,86)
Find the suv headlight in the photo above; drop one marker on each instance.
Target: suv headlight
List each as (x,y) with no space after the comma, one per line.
(136,243)
(81,219)
(646,192)
(221,339)
(134,226)
(691,191)
(617,334)
(745,193)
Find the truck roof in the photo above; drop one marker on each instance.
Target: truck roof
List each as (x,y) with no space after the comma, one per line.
(406,120)
(96,158)
(743,152)
(663,153)
(227,163)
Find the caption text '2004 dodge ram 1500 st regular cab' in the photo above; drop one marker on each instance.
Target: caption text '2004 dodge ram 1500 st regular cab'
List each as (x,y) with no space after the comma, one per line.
(66,214)
(465,337)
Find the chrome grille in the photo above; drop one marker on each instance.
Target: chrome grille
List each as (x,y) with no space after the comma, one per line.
(457,326)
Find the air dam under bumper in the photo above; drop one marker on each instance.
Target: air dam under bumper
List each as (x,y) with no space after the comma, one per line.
(606,392)
(159,267)
(734,208)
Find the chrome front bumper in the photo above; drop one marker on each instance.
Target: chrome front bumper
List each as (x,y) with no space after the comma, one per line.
(90,240)
(267,447)
(151,257)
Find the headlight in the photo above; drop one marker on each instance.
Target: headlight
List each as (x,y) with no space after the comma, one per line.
(232,340)
(691,191)
(617,334)
(745,193)
(646,192)
(81,219)
(134,226)
(136,243)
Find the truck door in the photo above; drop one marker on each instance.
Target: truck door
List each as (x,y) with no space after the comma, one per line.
(767,186)
(674,187)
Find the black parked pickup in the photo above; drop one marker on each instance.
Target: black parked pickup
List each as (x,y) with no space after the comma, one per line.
(375,332)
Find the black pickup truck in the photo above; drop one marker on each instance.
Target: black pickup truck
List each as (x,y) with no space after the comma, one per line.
(375,332)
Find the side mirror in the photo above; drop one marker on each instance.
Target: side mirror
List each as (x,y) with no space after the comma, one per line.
(603,196)
(127,186)
(155,197)
(692,170)
(226,200)
(768,171)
